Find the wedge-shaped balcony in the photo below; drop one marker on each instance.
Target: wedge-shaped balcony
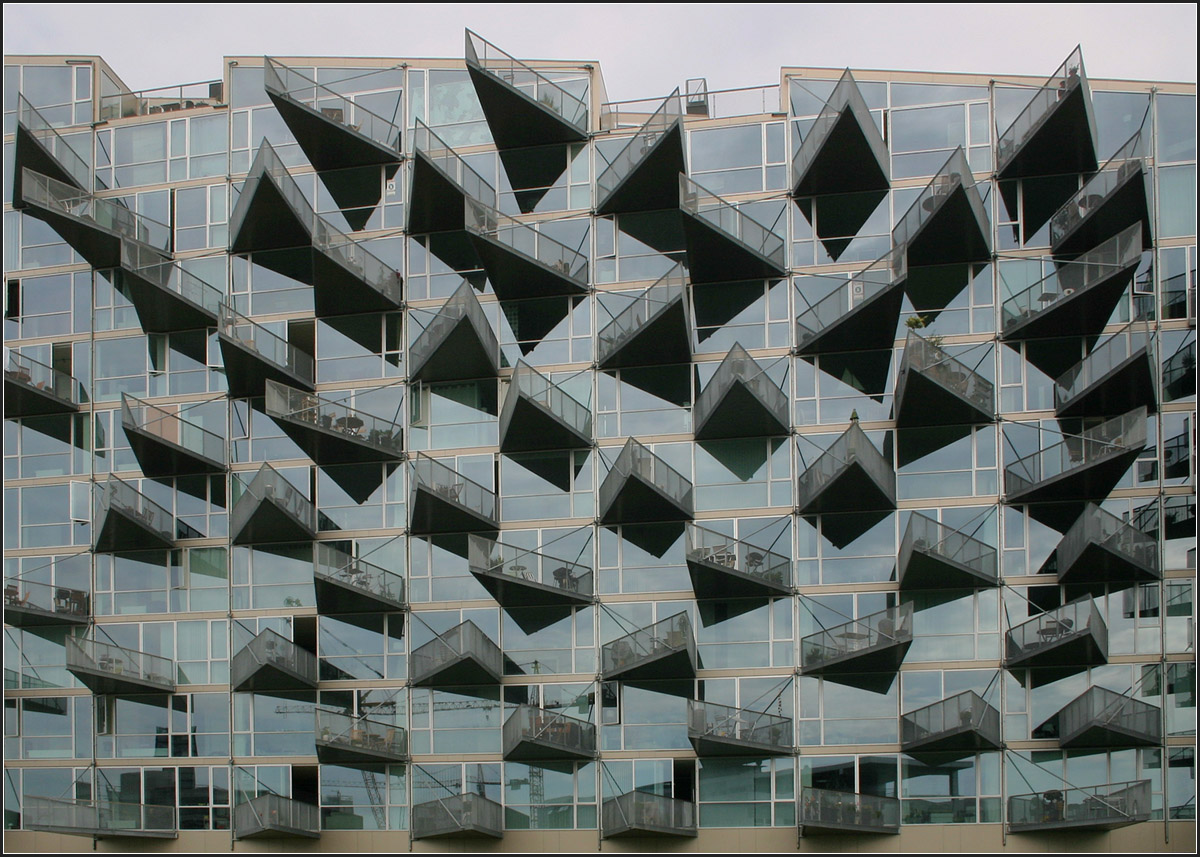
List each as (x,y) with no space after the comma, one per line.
(342,739)
(467,816)
(1093,808)
(1079,297)
(462,655)
(724,567)
(253,355)
(1109,202)
(874,643)
(1116,377)
(167,298)
(41,149)
(640,813)
(533,734)
(347,584)
(28,604)
(1056,132)
(843,151)
(1071,638)
(935,556)
(824,811)
(523,107)
(526,578)
(851,476)
(112,669)
(644,174)
(656,328)
(329,432)
(275,817)
(722,730)
(272,662)
(520,261)
(441,500)
(334,131)
(664,650)
(539,415)
(98,818)
(33,389)
(93,226)
(963,723)
(948,222)
(458,343)
(935,389)
(271,509)
(440,184)
(860,314)
(642,487)
(126,519)
(1102,548)
(1100,717)
(740,400)
(724,243)
(166,444)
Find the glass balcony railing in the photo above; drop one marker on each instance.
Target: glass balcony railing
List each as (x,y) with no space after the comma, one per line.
(450,164)
(28,603)
(531,385)
(1056,628)
(834,811)
(523,240)
(731,222)
(269,487)
(665,637)
(741,557)
(635,813)
(170,428)
(165,99)
(1128,163)
(846,96)
(360,735)
(357,576)
(876,280)
(273,815)
(122,498)
(636,460)
(493,558)
(445,650)
(458,815)
(63,153)
(32,374)
(537,733)
(853,448)
(311,411)
(1096,807)
(953,175)
(633,319)
(98,818)
(931,361)
(1132,340)
(150,266)
(1066,79)
(730,727)
(858,637)
(1098,528)
(1123,720)
(739,368)
(1123,434)
(964,717)
(535,86)
(272,661)
(266,345)
(657,126)
(113,668)
(461,305)
(930,538)
(451,486)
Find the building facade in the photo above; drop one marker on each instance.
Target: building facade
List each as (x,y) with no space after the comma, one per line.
(434,454)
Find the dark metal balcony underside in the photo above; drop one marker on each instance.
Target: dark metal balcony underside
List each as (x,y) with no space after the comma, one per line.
(561,741)
(921,401)
(162,458)
(335,596)
(107,682)
(463,669)
(327,143)
(663,662)
(327,445)
(270,222)
(665,338)
(870,326)
(851,490)
(434,512)
(24,615)
(272,675)
(847,668)
(31,154)
(435,203)
(846,162)
(926,568)
(713,743)
(1058,500)
(1082,313)
(271,522)
(461,355)
(1102,563)
(247,371)
(123,530)
(740,413)
(639,501)
(1128,385)
(952,234)
(715,256)
(516,276)
(163,310)
(962,739)
(530,427)
(511,591)
(467,816)
(1063,143)
(1120,208)
(100,247)
(653,184)
(360,752)
(716,580)
(516,120)
(25,399)
(1068,654)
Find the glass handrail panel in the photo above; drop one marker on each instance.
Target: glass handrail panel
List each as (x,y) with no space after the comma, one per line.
(1099,527)
(669,288)
(1055,627)
(300,406)
(847,809)
(270,346)
(462,303)
(489,557)
(929,359)
(536,86)
(538,388)
(1129,161)
(110,215)
(100,816)
(1120,434)
(726,721)
(745,557)
(1113,802)
(739,367)
(269,648)
(888,627)
(1104,358)
(172,428)
(350,571)
(1057,87)
(661,638)
(97,656)
(966,710)
(656,126)
(530,723)
(75,165)
(123,497)
(878,277)
(33,373)
(47,598)
(845,96)
(523,239)
(452,166)
(635,459)
(335,727)
(269,485)
(955,173)
(169,276)
(933,537)
(852,447)
(451,485)
(1099,706)
(463,640)
(731,220)
(275,812)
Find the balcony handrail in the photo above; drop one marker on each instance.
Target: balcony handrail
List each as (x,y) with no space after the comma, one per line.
(526,564)
(966,710)
(852,446)
(955,173)
(123,497)
(744,556)
(739,367)
(451,165)
(845,96)
(1126,162)
(926,534)
(108,214)
(172,428)
(300,406)
(92,654)
(670,287)
(1130,800)
(728,721)
(1069,75)
(47,598)
(657,125)
(170,276)
(1104,358)
(462,303)
(333,564)
(179,96)
(531,723)
(539,389)
(336,727)
(22,369)
(271,812)
(270,648)
(39,127)
(1053,627)
(665,635)
(847,809)
(1100,527)
(1101,705)
(102,816)
(928,358)
(477,810)
(732,221)
(452,486)
(640,809)
(522,238)
(270,346)
(464,639)
(636,459)
(521,76)
(269,484)
(1119,434)
(887,627)
(887,271)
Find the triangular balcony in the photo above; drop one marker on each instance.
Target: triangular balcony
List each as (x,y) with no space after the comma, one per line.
(128,520)
(740,400)
(441,500)
(533,734)
(99,818)
(1109,202)
(253,355)
(106,668)
(641,814)
(1116,377)
(33,389)
(166,444)
(664,650)
(38,605)
(347,584)
(874,643)
(167,298)
(458,344)
(94,227)
(271,816)
(272,662)
(1100,717)
(271,509)
(517,578)
(539,415)
(722,730)
(441,182)
(962,723)
(824,811)
(934,556)
(1105,807)
(1056,132)
(271,212)
(522,106)
(1102,548)
(1063,641)
(642,487)
(466,816)
(462,655)
(329,432)
(520,261)
(935,389)
(948,221)
(843,151)
(723,567)
(644,174)
(851,476)
(860,314)
(41,149)
(345,740)
(655,329)
(724,244)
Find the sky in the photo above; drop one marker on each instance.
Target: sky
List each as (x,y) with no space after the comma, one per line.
(644,50)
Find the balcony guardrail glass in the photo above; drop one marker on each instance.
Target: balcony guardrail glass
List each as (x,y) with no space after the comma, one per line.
(1129,161)
(1057,87)
(97,817)
(853,447)
(361,733)
(170,276)
(538,725)
(921,355)
(165,99)
(845,96)
(488,557)
(467,814)
(709,546)
(302,407)
(635,460)
(727,723)
(532,84)
(69,605)
(1055,627)
(644,811)
(670,287)
(955,173)
(961,712)
(1101,708)
(170,427)
(731,221)
(448,162)
(38,127)
(25,370)
(849,810)
(269,813)
(450,485)
(1110,805)
(739,367)
(1098,527)
(878,277)
(109,215)
(537,388)
(349,571)
(524,240)
(462,303)
(275,651)
(657,126)
(337,108)
(269,486)
(122,497)
(665,636)
(1125,433)
(109,659)
(465,640)
(267,345)
(927,536)
(890,627)
(1133,338)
